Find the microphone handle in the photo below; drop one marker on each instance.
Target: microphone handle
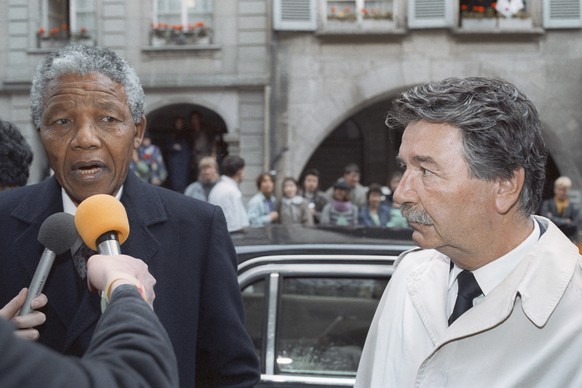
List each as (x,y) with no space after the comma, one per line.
(108,244)
(38,280)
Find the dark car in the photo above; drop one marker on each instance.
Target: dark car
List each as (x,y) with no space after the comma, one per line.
(310,295)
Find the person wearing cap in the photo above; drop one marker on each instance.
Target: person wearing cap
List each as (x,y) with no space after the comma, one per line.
(340,211)
(351,177)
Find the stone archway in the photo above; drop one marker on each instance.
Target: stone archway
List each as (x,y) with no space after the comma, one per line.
(207,139)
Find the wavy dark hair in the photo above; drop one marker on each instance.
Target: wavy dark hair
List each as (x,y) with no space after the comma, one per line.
(499,125)
(15,156)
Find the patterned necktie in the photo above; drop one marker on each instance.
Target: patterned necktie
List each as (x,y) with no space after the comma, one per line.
(468,290)
(82,254)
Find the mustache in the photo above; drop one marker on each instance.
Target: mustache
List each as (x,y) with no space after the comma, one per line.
(416,214)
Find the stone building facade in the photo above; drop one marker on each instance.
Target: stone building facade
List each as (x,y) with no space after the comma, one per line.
(290,84)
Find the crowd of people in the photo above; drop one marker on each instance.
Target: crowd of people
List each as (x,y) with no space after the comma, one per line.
(491,294)
(345,203)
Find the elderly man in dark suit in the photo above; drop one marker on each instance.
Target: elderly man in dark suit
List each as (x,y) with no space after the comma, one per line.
(88,107)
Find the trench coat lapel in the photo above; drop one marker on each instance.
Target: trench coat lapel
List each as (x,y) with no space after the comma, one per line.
(427,289)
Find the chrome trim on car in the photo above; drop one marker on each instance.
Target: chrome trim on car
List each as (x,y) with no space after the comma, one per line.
(388,259)
(307,380)
(271,323)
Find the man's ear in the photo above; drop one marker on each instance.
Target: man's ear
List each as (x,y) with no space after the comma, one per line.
(508,191)
(139,131)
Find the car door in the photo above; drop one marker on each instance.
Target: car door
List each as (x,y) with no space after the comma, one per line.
(308,315)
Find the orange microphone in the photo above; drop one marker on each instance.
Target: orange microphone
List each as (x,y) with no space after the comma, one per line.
(102,223)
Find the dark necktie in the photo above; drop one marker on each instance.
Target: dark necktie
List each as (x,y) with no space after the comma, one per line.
(468,290)
(82,254)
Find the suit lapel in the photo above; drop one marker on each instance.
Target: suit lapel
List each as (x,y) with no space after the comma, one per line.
(144,208)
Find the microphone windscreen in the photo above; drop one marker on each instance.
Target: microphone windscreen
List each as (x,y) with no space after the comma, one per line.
(58,232)
(99,214)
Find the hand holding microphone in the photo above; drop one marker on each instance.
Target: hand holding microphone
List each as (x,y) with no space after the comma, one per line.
(57,234)
(102,223)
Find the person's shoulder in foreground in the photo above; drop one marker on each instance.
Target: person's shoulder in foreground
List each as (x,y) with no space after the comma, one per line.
(475,144)
(130,347)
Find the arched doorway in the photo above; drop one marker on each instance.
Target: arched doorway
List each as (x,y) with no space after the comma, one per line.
(200,134)
(361,139)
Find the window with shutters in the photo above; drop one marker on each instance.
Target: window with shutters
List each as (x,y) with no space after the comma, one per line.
(486,15)
(562,13)
(294,15)
(430,13)
(65,21)
(366,15)
(181,22)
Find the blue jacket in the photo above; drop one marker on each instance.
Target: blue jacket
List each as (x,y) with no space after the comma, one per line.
(364,217)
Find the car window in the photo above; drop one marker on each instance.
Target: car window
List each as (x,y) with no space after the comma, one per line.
(323,322)
(255,306)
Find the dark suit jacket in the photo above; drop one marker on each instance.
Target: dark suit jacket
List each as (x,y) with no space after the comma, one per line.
(130,349)
(188,250)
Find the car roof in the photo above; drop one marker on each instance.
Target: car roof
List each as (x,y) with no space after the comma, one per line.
(298,239)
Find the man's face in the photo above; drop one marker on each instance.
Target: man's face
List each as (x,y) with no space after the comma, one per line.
(352,178)
(88,134)
(208,174)
(561,192)
(448,210)
(310,183)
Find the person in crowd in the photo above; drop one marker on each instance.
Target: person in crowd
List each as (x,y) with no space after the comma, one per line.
(15,157)
(130,347)
(375,213)
(293,208)
(561,210)
(492,297)
(396,220)
(203,144)
(89,110)
(316,198)
(340,211)
(179,155)
(388,191)
(227,195)
(148,162)
(351,176)
(207,179)
(262,207)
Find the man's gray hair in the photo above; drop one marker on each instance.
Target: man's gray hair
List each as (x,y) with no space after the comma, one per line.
(83,60)
(500,128)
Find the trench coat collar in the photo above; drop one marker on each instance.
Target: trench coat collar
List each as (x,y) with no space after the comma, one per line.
(528,281)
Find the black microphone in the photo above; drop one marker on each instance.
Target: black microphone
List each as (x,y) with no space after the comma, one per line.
(102,223)
(57,234)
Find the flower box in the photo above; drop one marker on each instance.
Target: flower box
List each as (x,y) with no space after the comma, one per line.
(377,24)
(479,24)
(341,24)
(515,23)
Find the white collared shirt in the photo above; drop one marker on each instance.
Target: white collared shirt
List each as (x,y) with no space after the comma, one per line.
(491,275)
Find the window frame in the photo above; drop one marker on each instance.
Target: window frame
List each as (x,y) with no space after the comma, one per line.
(276,268)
